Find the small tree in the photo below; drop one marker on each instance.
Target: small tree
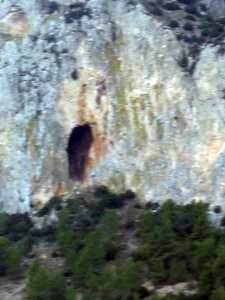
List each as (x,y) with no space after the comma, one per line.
(218,294)
(38,283)
(10,257)
(43,285)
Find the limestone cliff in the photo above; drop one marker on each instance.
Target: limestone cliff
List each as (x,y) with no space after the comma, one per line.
(115,92)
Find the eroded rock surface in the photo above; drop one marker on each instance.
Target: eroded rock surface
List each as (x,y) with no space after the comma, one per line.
(156,126)
(10,290)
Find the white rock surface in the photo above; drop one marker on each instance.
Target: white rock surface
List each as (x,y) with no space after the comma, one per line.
(187,289)
(157,129)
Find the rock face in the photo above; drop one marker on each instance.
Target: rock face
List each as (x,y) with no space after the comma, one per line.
(216,8)
(12,290)
(97,92)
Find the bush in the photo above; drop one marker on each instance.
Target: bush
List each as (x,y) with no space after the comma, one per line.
(3,223)
(218,294)
(10,257)
(172,241)
(75,222)
(54,202)
(15,227)
(43,285)
(176,243)
(97,246)
(108,199)
(70,294)
(203,251)
(206,281)
(4,246)
(81,216)
(14,259)
(169,297)
(121,281)
(65,235)
(178,271)
(38,287)
(129,280)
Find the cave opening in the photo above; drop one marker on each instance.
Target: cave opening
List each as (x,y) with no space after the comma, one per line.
(78,149)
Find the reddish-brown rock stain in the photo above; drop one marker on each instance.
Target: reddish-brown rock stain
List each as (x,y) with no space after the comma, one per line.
(87,115)
(60,190)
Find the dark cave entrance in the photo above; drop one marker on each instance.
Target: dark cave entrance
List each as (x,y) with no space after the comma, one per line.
(79,145)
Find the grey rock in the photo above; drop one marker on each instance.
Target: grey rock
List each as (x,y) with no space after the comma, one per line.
(156,128)
(216,8)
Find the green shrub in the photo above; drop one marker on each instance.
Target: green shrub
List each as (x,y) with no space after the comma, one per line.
(17,226)
(97,245)
(81,216)
(54,202)
(4,246)
(120,281)
(219,265)
(70,294)
(74,223)
(169,297)
(178,271)
(3,223)
(107,200)
(10,257)
(129,280)
(175,243)
(218,294)
(156,297)
(57,287)
(206,280)
(38,287)
(14,259)
(65,234)
(43,285)
(90,258)
(203,252)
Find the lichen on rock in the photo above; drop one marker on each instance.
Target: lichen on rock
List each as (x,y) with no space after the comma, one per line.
(153,102)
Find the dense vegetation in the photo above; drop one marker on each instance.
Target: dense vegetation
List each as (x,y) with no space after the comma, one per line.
(10,257)
(175,244)
(14,242)
(45,285)
(179,244)
(112,246)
